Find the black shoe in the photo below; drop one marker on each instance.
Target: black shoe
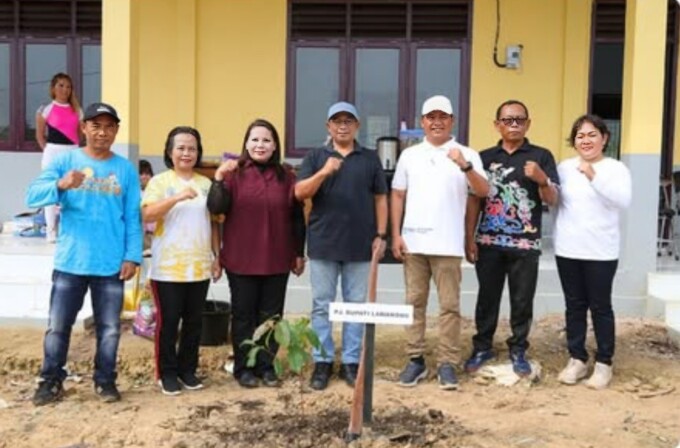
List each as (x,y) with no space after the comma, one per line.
(248,379)
(270,379)
(170,385)
(48,391)
(108,392)
(348,372)
(321,375)
(190,381)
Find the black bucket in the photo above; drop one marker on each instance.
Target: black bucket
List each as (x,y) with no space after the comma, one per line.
(216,317)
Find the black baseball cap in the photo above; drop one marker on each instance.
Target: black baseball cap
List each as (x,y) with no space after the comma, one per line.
(97,109)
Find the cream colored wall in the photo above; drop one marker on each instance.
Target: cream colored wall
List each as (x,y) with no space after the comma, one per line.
(553,78)
(212,64)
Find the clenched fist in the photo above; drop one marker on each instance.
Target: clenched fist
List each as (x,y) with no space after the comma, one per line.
(187,193)
(72,179)
(332,165)
(533,171)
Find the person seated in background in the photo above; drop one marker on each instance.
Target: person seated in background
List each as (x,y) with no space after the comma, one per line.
(145,173)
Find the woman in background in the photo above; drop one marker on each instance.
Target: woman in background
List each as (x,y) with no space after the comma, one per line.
(263,240)
(57,130)
(183,258)
(594,190)
(145,175)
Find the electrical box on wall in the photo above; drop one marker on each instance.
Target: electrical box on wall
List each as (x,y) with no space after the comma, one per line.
(513,56)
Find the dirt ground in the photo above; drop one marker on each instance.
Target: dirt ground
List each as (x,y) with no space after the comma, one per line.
(641,409)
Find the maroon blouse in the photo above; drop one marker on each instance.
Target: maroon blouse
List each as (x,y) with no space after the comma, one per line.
(261,233)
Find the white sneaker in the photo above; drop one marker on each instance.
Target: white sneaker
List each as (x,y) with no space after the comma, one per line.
(575,371)
(601,377)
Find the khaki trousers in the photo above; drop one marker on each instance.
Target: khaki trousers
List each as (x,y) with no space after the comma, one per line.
(446,273)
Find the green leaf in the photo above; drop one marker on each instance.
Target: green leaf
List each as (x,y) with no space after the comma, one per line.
(247,342)
(278,367)
(282,333)
(252,356)
(296,360)
(313,338)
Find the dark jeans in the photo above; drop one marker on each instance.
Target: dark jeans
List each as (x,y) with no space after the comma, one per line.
(254,300)
(175,302)
(521,270)
(66,299)
(587,285)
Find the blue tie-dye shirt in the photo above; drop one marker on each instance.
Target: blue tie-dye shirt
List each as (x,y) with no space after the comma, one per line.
(100,225)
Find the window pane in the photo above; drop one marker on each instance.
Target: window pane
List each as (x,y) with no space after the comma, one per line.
(377,93)
(42,62)
(317,86)
(438,73)
(607,88)
(4,92)
(92,71)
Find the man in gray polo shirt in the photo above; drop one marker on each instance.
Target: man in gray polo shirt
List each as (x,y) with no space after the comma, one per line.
(347,187)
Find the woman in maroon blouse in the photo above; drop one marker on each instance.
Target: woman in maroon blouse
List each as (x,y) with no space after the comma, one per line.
(263,241)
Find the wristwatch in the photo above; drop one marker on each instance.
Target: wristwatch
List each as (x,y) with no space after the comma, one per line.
(382,236)
(467,167)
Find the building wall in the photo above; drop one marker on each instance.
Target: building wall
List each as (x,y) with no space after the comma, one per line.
(210,64)
(218,65)
(553,78)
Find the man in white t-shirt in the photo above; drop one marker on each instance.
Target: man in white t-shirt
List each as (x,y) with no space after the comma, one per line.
(433,179)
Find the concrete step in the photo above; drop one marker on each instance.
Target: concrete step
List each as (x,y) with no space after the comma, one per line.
(26,266)
(664,292)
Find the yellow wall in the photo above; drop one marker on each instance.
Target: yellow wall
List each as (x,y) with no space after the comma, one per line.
(120,74)
(242,60)
(643,77)
(553,78)
(212,64)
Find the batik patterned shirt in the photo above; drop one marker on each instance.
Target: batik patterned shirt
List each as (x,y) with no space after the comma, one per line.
(512,211)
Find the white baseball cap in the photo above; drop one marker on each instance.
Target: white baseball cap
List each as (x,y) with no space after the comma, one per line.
(437,102)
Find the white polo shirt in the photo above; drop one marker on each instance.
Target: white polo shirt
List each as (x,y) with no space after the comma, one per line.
(436,194)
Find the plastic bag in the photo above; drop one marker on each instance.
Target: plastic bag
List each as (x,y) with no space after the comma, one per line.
(133,293)
(144,323)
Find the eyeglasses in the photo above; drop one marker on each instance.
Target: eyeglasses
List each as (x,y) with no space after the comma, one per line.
(509,120)
(343,121)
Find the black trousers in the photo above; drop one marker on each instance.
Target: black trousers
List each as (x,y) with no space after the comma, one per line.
(587,285)
(254,300)
(521,270)
(178,302)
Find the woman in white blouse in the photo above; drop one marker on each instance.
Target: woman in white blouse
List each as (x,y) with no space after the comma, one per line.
(594,189)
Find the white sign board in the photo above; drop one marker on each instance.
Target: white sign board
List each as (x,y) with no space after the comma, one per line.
(371,313)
